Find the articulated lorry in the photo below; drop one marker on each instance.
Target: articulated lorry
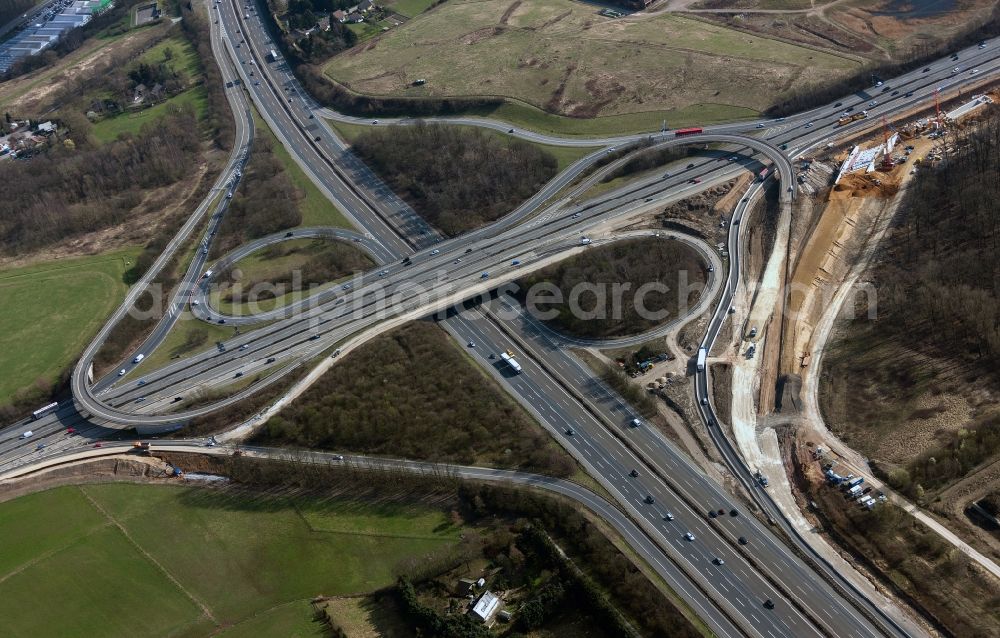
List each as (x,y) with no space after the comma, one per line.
(508,357)
(702,356)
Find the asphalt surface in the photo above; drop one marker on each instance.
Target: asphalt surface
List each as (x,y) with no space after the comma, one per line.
(457,269)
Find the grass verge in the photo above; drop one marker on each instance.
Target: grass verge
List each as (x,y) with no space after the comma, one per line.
(50,311)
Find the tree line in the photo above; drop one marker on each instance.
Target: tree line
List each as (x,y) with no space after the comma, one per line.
(411,393)
(61,193)
(456,178)
(634,262)
(264,203)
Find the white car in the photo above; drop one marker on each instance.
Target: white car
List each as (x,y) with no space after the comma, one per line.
(435,251)
(121,372)
(973,71)
(26,434)
(669,516)
(689,536)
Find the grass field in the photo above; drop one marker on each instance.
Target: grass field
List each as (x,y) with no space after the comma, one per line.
(183,56)
(249,562)
(409,8)
(49,312)
(560,57)
(317,209)
(109,129)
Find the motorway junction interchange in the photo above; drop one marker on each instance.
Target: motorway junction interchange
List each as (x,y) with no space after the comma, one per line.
(746,571)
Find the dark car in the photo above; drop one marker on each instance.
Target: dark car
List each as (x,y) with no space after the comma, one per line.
(270,359)
(733,512)
(722,512)
(711,513)
(289,234)
(314,338)
(468,250)
(743,540)
(839,104)
(769,604)
(237,375)
(690,165)
(634,473)
(317,138)
(649,499)
(926,70)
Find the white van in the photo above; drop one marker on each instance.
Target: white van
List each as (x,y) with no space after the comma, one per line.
(138,358)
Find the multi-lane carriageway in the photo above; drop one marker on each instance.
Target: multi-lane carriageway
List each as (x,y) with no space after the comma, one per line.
(626,201)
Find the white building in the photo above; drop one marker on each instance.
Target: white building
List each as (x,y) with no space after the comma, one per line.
(486,607)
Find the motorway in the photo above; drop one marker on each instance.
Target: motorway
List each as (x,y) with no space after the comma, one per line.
(435,280)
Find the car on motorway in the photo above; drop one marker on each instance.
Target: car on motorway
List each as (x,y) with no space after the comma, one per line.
(694,180)
(374,121)
(435,251)
(690,165)
(270,360)
(383,273)
(636,422)
(704,400)
(314,338)
(98,444)
(689,536)
(734,512)
(485,275)
(316,138)
(760,125)
(39,447)
(121,372)
(237,375)
(338,457)
(634,473)
(769,604)
(70,430)
(244,346)
(570,431)
(973,71)
(873,103)
(712,514)
(471,344)
(222,321)
(577,215)
(926,69)
(26,434)
(584,241)
(141,382)
(515,262)
(957,69)
(711,268)
(809,124)
(909,94)
(743,540)
(669,516)
(649,499)
(346,287)
(982,45)
(468,250)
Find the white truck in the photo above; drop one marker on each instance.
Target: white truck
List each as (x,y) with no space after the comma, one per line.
(508,357)
(702,356)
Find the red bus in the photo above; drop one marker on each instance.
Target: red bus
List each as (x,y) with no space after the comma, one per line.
(687,131)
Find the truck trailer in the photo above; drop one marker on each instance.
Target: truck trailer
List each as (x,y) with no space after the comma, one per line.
(702,356)
(508,357)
